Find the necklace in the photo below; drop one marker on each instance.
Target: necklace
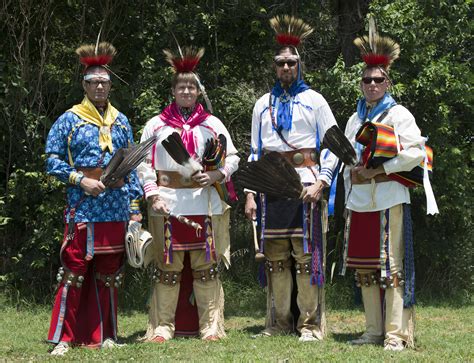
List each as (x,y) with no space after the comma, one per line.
(186,112)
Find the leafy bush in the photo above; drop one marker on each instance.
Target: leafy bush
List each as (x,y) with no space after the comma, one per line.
(39,79)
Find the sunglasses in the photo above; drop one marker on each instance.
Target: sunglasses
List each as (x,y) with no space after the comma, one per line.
(291,63)
(368,80)
(96,83)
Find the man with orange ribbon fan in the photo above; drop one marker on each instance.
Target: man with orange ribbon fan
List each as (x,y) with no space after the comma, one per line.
(378,233)
(80,144)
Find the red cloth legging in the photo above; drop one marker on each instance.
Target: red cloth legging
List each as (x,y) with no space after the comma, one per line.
(88,319)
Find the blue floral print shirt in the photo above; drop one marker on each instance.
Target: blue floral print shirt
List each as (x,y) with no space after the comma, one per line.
(82,139)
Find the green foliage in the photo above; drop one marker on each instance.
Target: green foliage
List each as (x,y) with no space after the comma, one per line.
(39,79)
(22,335)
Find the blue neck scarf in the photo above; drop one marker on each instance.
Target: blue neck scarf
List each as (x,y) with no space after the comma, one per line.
(385,103)
(285,108)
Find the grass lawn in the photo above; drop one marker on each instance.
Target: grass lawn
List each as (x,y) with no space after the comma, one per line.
(443,334)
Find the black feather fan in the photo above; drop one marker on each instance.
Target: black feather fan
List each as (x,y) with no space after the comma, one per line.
(335,140)
(175,148)
(125,160)
(272,174)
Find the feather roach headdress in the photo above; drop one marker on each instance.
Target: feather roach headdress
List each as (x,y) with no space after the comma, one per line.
(187,59)
(186,62)
(375,50)
(290,30)
(100,54)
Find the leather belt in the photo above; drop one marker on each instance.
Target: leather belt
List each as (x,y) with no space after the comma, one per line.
(174,180)
(300,158)
(379,178)
(96,173)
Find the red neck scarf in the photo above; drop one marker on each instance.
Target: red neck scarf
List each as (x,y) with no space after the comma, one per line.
(172,117)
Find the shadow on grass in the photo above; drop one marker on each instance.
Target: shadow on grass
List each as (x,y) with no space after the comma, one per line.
(345,337)
(130,339)
(254,329)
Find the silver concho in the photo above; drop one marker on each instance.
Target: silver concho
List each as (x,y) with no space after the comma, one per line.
(164,180)
(298,158)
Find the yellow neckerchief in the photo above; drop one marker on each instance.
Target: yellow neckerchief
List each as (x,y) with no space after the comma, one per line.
(88,112)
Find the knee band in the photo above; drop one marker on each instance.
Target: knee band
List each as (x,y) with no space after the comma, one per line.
(373,278)
(277,266)
(206,275)
(69,278)
(303,268)
(170,278)
(110,280)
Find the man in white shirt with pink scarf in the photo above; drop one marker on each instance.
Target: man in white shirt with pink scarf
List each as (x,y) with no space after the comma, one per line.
(196,198)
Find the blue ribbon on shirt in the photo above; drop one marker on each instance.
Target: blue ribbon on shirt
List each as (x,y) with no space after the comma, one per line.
(364,113)
(284,114)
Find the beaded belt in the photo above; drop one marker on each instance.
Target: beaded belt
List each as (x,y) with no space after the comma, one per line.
(300,158)
(174,180)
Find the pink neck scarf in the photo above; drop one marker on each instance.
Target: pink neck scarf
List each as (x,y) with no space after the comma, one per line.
(172,117)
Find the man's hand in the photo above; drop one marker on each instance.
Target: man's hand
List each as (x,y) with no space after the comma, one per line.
(136,217)
(314,192)
(250,207)
(208,178)
(365,173)
(92,187)
(159,206)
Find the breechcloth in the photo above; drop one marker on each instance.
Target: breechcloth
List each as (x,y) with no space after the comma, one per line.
(293,229)
(85,307)
(376,249)
(206,300)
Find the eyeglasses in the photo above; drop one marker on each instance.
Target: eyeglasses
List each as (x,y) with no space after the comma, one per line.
(290,63)
(96,83)
(368,80)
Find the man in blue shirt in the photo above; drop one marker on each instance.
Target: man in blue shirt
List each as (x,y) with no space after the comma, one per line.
(80,144)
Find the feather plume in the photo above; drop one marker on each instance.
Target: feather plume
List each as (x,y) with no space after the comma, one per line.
(272,174)
(96,55)
(290,30)
(377,50)
(335,140)
(187,61)
(175,148)
(125,160)
(214,152)
(204,93)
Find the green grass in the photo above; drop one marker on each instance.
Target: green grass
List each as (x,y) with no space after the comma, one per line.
(443,334)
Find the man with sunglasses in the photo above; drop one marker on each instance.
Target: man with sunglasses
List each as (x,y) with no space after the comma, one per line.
(292,119)
(80,144)
(379,243)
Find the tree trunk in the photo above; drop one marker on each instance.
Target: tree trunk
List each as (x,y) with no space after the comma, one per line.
(351,21)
